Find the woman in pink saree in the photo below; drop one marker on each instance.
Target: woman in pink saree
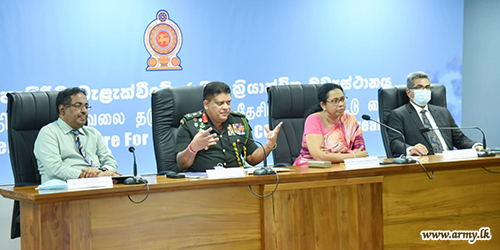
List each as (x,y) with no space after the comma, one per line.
(330,134)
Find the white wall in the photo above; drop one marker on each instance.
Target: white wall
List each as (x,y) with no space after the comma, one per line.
(480,83)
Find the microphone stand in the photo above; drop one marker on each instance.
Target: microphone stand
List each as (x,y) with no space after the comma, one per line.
(264,170)
(136,179)
(481,153)
(403,159)
(484,152)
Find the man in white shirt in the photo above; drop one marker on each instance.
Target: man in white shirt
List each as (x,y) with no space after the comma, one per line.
(67,148)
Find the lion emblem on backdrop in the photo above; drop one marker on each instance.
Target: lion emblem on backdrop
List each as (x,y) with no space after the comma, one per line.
(163,40)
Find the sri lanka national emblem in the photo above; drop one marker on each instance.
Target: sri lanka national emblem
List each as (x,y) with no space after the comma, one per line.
(163,40)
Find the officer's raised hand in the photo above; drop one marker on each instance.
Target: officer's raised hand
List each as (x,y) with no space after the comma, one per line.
(203,139)
(272,136)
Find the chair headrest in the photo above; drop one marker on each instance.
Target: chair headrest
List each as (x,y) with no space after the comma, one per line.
(176,102)
(31,110)
(292,100)
(392,97)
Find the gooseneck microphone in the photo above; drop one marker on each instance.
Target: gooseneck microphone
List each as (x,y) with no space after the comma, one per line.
(428,129)
(264,170)
(484,152)
(136,179)
(401,160)
(263,148)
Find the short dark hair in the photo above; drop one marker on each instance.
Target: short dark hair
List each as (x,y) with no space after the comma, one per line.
(410,79)
(214,88)
(64,96)
(322,96)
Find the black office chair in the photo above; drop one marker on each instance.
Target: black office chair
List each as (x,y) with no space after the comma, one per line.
(392,97)
(27,113)
(168,106)
(289,104)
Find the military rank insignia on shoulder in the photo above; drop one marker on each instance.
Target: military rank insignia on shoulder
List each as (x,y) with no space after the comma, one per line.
(196,119)
(193,115)
(237,114)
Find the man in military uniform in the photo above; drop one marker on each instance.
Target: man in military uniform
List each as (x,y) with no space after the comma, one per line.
(216,136)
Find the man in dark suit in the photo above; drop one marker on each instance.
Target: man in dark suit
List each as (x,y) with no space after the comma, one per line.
(417,114)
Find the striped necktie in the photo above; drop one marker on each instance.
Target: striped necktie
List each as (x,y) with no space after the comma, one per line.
(437,147)
(81,149)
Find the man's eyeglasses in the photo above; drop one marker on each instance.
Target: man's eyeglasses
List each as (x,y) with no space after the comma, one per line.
(80,106)
(336,101)
(420,87)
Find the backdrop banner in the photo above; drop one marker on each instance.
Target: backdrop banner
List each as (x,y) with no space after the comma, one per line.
(122,51)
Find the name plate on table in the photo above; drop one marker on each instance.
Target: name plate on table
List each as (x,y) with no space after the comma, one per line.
(226,173)
(359,163)
(90,183)
(460,154)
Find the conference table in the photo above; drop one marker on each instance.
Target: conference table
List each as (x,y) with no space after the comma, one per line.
(386,207)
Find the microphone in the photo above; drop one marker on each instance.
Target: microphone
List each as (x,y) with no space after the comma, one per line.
(485,151)
(264,170)
(136,179)
(428,129)
(132,150)
(401,160)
